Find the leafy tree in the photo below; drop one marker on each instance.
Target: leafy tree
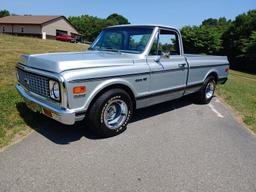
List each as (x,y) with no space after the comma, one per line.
(4,13)
(189,39)
(117,19)
(239,41)
(249,49)
(90,26)
(205,38)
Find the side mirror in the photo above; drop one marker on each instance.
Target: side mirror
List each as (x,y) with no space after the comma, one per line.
(162,55)
(158,58)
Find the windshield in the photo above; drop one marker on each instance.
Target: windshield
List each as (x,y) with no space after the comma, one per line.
(123,39)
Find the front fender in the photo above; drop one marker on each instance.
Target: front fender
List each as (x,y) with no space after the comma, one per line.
(104,85)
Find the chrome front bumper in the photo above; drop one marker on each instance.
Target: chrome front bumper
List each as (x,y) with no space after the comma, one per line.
(64,116)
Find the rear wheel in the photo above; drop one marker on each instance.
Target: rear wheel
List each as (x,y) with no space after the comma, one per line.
(206,93)
(111,112)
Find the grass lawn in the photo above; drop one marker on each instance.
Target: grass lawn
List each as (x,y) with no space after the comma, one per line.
(12,126)
(240,92)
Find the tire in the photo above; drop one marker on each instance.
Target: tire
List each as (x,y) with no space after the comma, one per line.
(110,113)
(206,92)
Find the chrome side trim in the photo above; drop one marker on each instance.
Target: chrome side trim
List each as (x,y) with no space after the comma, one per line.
(163,96)
(126,75)
(160,93)
(108,77)
(153,99)
(170,91)
(208,66)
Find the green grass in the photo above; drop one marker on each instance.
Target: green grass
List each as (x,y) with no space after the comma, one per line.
(12,125)
(240,92)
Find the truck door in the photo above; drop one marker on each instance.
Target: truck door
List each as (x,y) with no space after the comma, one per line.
(168,65)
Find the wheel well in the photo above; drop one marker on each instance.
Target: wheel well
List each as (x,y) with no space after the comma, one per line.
(215,75)
(120,86)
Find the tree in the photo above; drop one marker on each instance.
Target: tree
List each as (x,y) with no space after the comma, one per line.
(240,41)
(249,49)
(190,39)
(90,26)
(4,13)
(118,19)
(206,38)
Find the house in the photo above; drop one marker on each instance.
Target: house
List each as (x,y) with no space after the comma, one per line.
(37,26)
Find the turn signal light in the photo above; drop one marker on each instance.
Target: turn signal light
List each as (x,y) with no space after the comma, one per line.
(226,70)
(47,112)
(79,90)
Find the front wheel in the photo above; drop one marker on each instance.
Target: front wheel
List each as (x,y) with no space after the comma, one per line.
(111,112)
(206,93)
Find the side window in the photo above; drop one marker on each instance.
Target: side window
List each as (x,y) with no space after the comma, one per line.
(166,44)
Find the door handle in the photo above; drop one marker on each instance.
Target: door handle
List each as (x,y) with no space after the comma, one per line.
(182,65)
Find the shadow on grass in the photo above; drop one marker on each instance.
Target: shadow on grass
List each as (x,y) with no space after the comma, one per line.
(65,134)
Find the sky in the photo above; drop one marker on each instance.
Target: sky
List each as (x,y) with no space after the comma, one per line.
(176,13)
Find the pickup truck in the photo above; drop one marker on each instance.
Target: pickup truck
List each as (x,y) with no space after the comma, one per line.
(127,67)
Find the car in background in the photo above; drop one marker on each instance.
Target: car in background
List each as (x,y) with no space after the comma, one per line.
(66,38)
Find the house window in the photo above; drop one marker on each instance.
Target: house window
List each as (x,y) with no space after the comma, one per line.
(22,29)
(3,29)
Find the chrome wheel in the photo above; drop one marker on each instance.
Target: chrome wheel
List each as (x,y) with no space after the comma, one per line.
(209,91)
(115,114)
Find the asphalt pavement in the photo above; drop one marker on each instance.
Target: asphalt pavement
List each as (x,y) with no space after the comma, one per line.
(176,146)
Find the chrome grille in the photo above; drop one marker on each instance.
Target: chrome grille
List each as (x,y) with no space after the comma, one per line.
(34,83)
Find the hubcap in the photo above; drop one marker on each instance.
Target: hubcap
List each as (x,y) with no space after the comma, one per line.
(209,91)
(115,114)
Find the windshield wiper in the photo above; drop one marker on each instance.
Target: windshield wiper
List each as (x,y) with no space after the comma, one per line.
(105,49)
(113,50)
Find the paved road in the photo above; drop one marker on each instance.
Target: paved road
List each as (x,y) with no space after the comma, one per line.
(176,146)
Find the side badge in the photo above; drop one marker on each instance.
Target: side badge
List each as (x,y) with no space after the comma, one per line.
(140,80)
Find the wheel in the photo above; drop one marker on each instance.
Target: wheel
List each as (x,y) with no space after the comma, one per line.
(206,93)
(110,113)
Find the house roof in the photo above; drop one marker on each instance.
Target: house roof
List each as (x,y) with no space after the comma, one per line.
(27,19)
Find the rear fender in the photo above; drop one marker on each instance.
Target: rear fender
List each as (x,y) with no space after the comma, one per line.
(214,72)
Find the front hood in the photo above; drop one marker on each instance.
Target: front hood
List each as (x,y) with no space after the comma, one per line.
(59,62)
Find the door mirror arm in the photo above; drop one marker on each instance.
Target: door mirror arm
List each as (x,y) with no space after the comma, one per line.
(163,55)
(158,58)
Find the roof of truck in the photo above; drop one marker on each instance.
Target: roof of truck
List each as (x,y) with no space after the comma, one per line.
(143,25)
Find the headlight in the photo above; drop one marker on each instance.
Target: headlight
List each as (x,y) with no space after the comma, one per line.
(54,90)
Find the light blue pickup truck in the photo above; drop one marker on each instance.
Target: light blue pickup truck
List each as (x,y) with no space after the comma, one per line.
(127,67)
